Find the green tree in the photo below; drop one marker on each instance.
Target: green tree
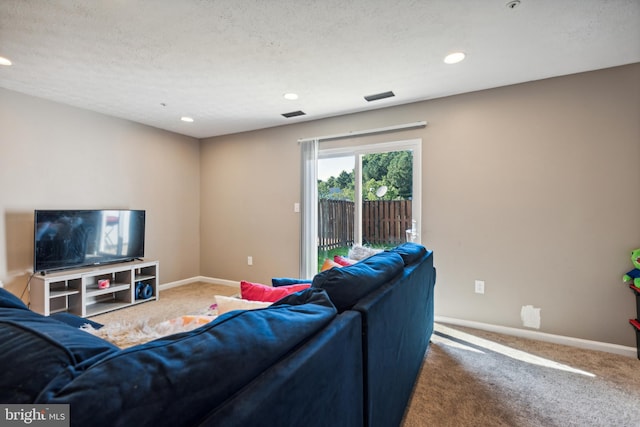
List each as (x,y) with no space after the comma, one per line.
(323,189)
(332,182)
(346,180)
(374,166)
(393,169)
(340,188)
(400,173)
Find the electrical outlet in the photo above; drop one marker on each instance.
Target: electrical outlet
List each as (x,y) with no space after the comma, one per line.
(249,260)
(479,286)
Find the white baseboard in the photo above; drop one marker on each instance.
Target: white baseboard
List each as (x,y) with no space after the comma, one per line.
(200,279)
(542,336)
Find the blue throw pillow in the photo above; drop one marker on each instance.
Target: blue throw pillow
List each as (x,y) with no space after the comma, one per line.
(347,285)
(9,300)
(286,281)
(410,252)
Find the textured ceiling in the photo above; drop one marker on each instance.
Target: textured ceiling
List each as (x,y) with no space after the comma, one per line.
(227,63)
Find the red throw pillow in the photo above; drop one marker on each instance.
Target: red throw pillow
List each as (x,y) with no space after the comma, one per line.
(258,292)
(345,262)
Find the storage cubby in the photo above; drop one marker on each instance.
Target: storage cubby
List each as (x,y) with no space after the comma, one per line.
(117,295)
(636,322)
(64,294)
(58,293)
(78,291)
(146,277)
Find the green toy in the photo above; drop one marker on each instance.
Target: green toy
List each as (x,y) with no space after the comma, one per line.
(635,273)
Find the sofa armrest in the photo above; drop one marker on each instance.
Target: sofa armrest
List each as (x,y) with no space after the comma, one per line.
(397,326)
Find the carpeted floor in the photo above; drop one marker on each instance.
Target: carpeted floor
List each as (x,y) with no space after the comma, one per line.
(477,378)
(174,302)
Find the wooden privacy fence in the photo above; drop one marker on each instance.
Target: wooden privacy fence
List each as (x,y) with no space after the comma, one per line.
(384,222)
(335,223)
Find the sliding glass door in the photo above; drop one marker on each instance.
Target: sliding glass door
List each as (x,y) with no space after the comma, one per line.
(367,195)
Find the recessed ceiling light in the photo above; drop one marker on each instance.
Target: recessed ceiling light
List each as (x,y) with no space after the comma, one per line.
(186,119)
(4,61)
(290,96)
(454,58)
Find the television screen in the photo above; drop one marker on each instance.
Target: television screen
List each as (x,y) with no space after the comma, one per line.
(77,238)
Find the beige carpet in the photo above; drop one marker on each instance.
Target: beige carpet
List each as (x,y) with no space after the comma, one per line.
(179,309)
(476,378)
(174,302)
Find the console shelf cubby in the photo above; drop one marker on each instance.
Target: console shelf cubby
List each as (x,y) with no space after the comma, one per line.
(636,322)
(77,291)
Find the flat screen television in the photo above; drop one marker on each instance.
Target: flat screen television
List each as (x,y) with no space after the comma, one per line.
(66,239)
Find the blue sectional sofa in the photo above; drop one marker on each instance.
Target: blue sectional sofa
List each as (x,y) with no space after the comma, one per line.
(397,322)
(345,352)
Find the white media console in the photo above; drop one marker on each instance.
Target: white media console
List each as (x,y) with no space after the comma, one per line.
(77,291)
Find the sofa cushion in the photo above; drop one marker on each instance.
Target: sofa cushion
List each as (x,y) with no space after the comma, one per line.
(347,285)
(9,300)
(410,252)
(37,349)
(259,292)
(177,380)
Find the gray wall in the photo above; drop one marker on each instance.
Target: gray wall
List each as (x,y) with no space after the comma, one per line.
(532,188)
(58,157)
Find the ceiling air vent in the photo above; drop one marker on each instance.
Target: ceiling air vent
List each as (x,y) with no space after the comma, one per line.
(378,96)
(294,114)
